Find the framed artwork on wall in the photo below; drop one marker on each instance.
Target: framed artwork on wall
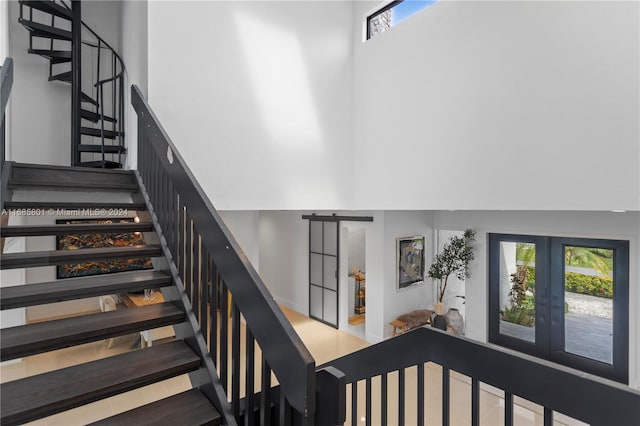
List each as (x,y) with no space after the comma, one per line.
(409,261)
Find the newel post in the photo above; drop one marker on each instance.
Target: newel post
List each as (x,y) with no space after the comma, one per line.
(331,397)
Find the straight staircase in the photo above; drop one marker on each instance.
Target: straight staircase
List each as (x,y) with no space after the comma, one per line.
(42,395)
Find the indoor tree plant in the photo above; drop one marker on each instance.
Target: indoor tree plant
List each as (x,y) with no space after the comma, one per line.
(455,257)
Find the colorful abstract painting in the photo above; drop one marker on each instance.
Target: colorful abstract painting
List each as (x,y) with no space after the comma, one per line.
(410,257)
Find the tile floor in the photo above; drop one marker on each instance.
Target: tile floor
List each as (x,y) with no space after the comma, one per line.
(324,343)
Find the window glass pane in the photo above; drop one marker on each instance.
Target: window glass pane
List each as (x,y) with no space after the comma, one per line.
(315,301)
(315,243)
(388,17)
(315,269)
(588,302)
(331,238)
(517,290)
(330,272)
(330,311)
(379,23)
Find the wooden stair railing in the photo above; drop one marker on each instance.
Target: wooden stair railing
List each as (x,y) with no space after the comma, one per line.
(214,274)
(585,397)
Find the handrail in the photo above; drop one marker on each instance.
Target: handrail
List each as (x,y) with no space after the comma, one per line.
(84,24)
(580,395)
(106,80)
(187,216)
(6,82)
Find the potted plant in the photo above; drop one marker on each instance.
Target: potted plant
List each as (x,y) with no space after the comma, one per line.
(455,257)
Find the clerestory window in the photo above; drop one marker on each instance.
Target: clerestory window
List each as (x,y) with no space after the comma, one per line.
(393,13)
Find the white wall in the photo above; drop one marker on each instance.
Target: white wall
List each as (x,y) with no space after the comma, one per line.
(34,99)
(500,105)
(4,29)
(257,97)
(245,227)
(356,243)
(133,51)
(284,257)
(623,226)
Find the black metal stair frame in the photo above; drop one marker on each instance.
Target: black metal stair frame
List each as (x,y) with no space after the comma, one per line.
(97,135)
(45,394)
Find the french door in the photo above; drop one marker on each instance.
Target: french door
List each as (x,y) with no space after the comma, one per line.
(323,271)
(562,299)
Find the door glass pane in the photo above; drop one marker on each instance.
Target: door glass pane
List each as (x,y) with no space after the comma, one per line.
(330,268)
(315,241)
(330,306)
(315,301)
(315,268)
(588,302)
(517,290)
(331,238)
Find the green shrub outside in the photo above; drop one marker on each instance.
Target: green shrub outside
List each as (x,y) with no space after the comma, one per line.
(519,315)
(590,285)
(523,314)
(579,283)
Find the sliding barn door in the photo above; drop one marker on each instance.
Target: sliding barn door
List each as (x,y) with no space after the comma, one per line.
(323,271)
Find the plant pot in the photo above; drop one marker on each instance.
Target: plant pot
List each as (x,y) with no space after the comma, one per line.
(455,321)
(439,321)
(439,308)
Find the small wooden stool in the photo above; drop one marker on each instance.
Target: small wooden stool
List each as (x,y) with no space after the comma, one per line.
(399,327)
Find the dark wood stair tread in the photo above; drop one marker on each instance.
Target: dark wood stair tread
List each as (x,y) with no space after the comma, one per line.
(78,185)
(45,394)
(42,30)
(99,164)
(49,7)
(71,205)
(51,54)
(88,99)
(76,288)
(64,176)
(64,77)
(190,408)
(108,134)
(62,257)
(31,339)
(74,228)
(108,149)
(94,116)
